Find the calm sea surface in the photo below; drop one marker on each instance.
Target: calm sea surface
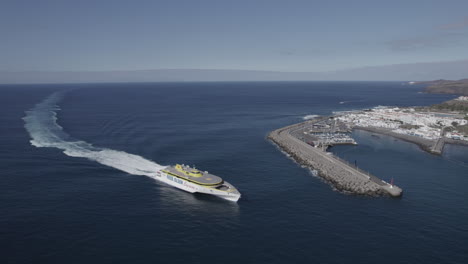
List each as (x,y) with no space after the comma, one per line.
(76,187)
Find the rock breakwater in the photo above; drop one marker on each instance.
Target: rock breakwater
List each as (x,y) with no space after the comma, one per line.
(335,171)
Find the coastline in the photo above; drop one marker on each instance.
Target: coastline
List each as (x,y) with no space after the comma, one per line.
(456,142)
(339,173)
(307,142)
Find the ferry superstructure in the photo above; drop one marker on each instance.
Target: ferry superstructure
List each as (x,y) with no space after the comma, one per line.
(192,180)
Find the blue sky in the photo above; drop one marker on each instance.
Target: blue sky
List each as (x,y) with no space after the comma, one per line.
(251,35)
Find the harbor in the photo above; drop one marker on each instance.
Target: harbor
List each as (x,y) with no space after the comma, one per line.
(323,133)
(422,126)
(307,143)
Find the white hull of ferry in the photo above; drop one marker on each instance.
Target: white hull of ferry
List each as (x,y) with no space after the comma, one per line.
(231,194)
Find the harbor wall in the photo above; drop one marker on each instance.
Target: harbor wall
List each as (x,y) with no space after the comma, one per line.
(424,144)
(336,172)
(431,146)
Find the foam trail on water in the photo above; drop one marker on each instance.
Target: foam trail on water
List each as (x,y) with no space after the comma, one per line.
(41,123)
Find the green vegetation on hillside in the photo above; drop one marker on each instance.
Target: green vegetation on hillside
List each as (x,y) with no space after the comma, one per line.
(448,106)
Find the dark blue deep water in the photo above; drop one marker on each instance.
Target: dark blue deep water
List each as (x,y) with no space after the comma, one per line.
(58,207)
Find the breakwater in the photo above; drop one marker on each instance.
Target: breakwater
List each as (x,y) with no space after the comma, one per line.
(337,172)
(423,143)
(432,146)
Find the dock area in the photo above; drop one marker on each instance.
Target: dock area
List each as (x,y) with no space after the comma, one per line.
(305,147)
(323,133)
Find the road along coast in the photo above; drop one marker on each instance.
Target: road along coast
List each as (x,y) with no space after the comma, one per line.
(337,172)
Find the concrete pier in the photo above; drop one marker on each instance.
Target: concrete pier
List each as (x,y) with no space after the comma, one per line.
(337,172)
(438,146)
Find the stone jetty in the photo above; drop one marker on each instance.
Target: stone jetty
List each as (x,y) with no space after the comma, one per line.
(432,146)
(337,172)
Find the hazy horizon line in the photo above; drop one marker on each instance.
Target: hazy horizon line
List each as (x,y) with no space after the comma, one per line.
(419,71)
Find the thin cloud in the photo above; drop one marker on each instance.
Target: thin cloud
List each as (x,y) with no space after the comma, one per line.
(424,42)
(442,36)
(304,52)
(456,25)
(288,52)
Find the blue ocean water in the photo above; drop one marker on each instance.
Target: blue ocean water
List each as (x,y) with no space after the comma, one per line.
(97,202)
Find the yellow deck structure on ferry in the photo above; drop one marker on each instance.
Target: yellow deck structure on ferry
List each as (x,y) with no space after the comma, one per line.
(193,175)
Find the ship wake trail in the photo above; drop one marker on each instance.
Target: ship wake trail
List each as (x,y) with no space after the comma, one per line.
(41,123)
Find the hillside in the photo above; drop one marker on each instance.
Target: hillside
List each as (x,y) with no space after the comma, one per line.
(452,105)
(445,86)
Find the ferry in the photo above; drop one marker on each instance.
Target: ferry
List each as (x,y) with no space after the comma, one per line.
(192,180)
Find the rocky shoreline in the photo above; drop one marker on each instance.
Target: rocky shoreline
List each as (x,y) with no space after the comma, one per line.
(456,142)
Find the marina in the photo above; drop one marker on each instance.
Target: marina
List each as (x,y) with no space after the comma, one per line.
(324,133)
(308,142)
